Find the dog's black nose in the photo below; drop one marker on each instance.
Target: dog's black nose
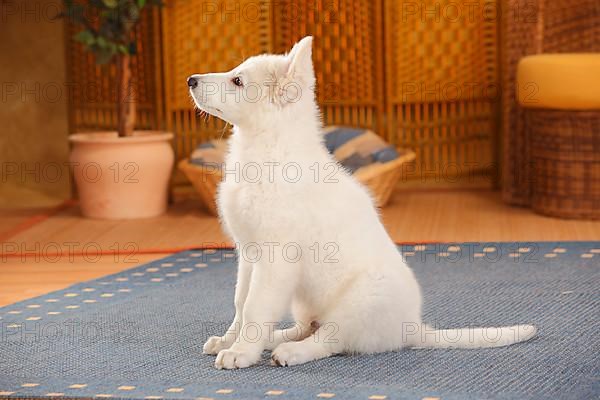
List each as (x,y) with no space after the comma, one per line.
(192,82)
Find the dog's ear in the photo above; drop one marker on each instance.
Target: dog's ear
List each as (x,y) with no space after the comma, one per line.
(296,74)
(300,61)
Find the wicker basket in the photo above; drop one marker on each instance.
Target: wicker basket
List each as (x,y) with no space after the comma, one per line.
(565,150)
(533,27)
(381,181)
(205,180)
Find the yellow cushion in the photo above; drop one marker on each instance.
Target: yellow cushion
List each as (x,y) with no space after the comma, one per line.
(561,81)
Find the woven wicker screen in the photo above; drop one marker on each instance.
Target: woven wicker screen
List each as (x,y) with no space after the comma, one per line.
(347,55)
(442,83)
(201,37)
(93,88)
(369,57)
(215,36)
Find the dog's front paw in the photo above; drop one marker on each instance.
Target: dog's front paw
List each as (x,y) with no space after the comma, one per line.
(231,359)
(215,344)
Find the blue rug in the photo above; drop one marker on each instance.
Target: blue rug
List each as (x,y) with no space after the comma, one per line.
(139,334)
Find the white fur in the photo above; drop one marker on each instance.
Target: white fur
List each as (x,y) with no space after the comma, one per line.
(363,298)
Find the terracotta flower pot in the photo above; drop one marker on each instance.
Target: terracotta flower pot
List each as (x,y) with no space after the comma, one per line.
(122,178)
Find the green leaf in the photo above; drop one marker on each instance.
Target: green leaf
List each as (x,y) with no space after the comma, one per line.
(102,43)
(86,37)
(106,24)
(134,13)
(110,3)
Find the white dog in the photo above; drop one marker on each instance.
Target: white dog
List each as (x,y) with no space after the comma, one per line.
(309,240)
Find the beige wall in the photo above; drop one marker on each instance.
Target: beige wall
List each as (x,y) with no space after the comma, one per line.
(33,105)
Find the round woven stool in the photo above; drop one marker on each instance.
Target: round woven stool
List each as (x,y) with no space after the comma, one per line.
(561,94)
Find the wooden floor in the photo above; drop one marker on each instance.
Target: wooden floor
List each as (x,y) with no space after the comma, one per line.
(46,254)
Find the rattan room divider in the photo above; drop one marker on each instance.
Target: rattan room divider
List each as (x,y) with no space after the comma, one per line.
(204,37)
(442,84)
(380,64)
(347,55)
(201,37)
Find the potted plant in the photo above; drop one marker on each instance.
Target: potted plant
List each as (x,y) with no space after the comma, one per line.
(123,174)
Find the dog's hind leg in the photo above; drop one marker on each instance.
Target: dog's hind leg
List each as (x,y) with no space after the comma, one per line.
(322,342)
(299,331)
(314,347)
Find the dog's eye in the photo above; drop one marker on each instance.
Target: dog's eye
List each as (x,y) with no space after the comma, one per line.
(237,81)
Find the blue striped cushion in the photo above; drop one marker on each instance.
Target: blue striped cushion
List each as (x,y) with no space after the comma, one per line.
(358,148)
(354,148)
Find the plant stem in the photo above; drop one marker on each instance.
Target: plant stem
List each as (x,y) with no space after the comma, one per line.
(126,99)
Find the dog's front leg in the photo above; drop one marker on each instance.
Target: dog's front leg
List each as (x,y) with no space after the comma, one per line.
(269,297)
(214,344)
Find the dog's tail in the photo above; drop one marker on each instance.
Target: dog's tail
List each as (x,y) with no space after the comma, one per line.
(472,338)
